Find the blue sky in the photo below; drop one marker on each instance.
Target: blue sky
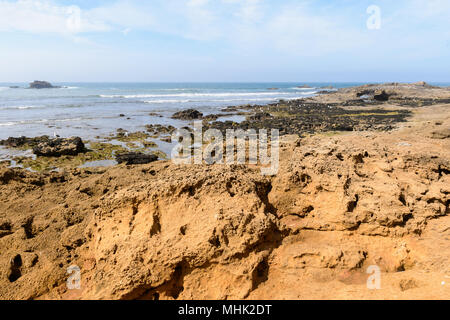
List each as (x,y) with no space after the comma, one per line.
(224,40)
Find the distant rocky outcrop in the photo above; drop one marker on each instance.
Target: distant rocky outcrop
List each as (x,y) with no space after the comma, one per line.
(42,85)
(190,114)
(423,84)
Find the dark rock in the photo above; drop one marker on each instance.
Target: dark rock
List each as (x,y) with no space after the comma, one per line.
(213,117)
(19,142)
(305,86)
(13,142)
(160,129)
(7,175)
(340,127)
(301,117)
(377,95)
(59,147)
(273,88)
(381,95)
(121,115)
(14,87)
(190,114)
(259,116)
(42,85)
(131,158)
(230,109)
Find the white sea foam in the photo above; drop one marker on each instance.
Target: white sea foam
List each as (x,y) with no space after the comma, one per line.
(70,119)
(5,124)
(13,123)
(217,100)
(193,95)
(308,93)
(169,101)
(180,89)
(18,107)
(244,99)
(302,89)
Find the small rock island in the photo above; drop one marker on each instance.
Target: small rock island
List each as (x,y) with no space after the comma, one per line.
(42,85)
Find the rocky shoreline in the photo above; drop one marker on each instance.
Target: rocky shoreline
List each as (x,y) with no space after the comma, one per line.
(343,201)
(365,108)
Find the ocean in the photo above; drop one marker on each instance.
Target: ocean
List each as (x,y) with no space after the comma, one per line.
(90,110)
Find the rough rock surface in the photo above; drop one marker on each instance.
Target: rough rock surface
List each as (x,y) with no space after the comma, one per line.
(19,142)
(190,114)
(59,147)
(409,95)
(135,158)
(338,205)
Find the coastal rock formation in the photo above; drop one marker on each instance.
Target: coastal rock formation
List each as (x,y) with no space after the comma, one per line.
(424,84)
(190,114)
(42,85)
(19,142)
(302,117)
(405,95)
(131,158)
(59,147)
(375,94)
(160,129)
(381,95)
(340,204)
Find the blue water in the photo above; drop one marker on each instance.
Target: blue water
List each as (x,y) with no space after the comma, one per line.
(89,110)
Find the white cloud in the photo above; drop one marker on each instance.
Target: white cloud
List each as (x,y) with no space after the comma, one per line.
(197,3)
(44,17)
(430,8)
(248,25)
